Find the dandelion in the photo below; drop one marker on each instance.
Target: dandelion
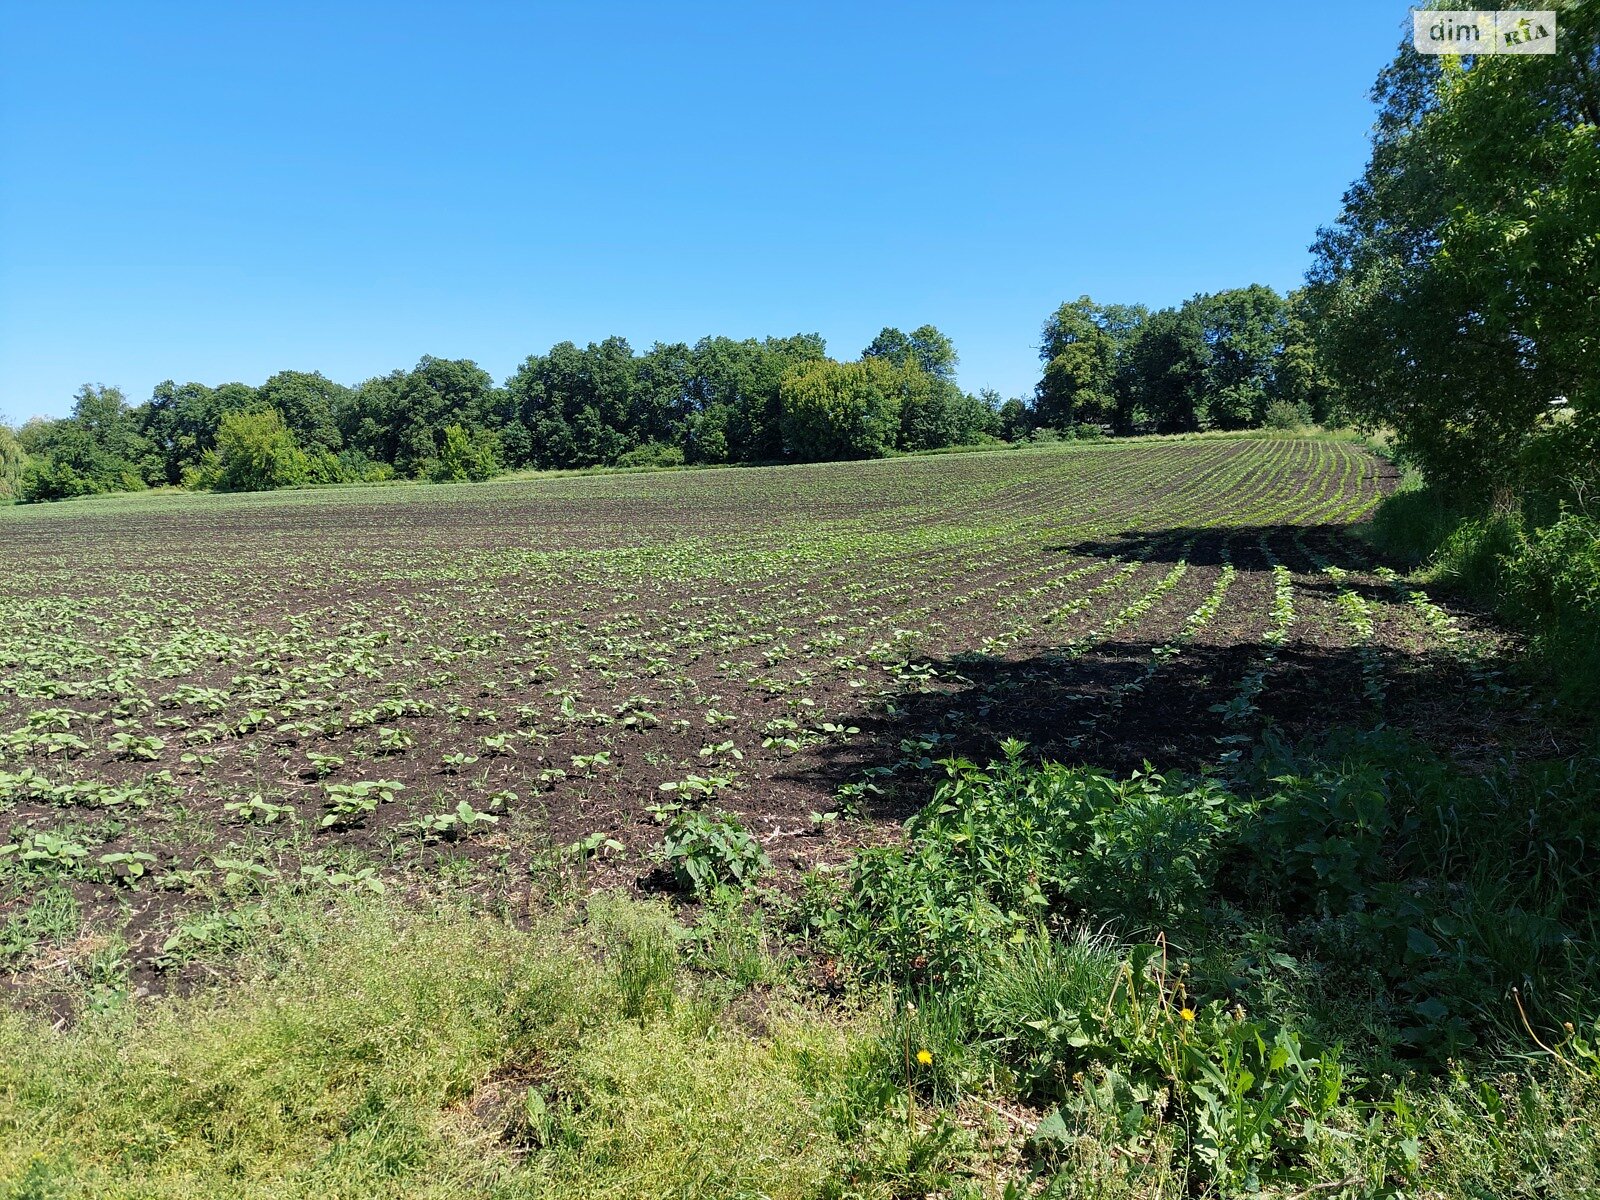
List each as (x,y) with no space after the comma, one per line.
(924,1057)
(1186,1013)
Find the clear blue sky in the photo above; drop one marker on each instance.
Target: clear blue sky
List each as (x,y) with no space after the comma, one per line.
(218,191)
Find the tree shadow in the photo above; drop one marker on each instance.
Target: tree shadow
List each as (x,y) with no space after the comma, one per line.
(1119,707)
(1252,547)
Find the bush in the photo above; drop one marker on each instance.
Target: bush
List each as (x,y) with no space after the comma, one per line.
(652,454)
(834,410)
(1544,579)
(997,850)
(46,479)
(1552,581)
(464,457)
(1282,414)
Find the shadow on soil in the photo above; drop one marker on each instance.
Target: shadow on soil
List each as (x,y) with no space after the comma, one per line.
(1298,547)
(1102,708)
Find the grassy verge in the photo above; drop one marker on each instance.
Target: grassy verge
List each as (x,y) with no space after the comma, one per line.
(371,1051)
(1346,969)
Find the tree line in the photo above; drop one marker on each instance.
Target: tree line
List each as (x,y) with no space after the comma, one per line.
(1234,359)
(719,401)
(1226,361)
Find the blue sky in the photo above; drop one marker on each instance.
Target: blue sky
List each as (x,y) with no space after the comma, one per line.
(219,191)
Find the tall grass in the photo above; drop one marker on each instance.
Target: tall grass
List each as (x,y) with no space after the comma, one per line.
(371,1052)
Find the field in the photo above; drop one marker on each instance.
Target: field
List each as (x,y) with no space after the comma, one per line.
(202,697)
(624,834)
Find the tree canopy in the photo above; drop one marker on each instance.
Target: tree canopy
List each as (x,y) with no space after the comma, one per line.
(1457,297)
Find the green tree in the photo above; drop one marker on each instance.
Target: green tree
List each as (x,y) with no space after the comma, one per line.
(97,449)
(465,456)
(1243,330)
(1014,419)
(934,411)
(309,403)
(1300,380)
(834,410)
(179,424)
(736,409)
(412,412)
(1458,294)
(1163,374)
(255,453)
(12,461)
(1082,347)
(932,352)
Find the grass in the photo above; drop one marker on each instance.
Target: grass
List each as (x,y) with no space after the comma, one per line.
(374,1051)
(1539,573)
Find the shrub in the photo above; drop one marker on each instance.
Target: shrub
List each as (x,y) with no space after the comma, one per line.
(1283,414)
(837,410)
(1544,578)
(1552,580)
(464,457)
(652,454)
(46,479)
(996,851)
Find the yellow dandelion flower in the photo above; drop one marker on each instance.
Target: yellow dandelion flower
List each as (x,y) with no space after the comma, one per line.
(1186,1013)
(924,1057)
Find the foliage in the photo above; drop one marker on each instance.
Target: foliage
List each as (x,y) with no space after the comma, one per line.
(706,850)
(651,454)
(1452,304)
(97,449)
(1083,347)
(1362,844)
(1216,362)
(845,410)
(1544,579)
(12,461)
(446,421)
(255,452)
(464,456)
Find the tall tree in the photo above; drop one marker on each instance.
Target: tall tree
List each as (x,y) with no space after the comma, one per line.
(1244,331)
(12,459)
(309,404)
(1458,294)
(1082,347)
